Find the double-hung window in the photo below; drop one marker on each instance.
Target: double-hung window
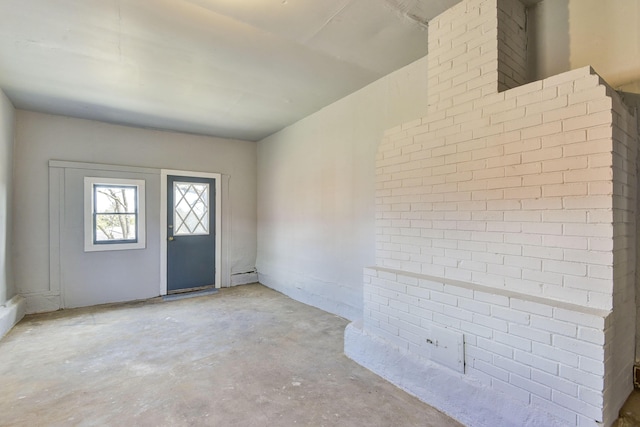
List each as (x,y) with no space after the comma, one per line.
(114,214)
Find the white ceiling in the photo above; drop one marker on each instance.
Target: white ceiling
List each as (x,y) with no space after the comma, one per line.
(231,68)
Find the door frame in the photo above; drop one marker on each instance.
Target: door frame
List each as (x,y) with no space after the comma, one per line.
(164,173)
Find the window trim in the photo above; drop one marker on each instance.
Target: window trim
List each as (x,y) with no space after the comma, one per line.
(89,215)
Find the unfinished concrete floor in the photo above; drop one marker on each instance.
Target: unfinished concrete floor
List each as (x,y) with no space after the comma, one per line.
(247,356)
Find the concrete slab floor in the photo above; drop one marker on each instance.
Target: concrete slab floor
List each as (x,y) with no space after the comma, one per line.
(630,411)
(247,356)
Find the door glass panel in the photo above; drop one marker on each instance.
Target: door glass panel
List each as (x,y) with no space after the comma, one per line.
(191,208)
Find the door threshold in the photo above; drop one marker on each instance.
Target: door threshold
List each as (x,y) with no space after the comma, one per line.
(188,290)
(191,293)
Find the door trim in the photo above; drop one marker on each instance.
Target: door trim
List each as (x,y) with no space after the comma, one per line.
(163,222)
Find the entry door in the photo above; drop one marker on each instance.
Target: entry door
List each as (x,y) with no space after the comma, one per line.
(191,233)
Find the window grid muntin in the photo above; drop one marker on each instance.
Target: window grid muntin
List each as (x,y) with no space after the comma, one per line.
(179,196)
(134,213)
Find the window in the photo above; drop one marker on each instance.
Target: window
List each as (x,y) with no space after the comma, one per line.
(114,214)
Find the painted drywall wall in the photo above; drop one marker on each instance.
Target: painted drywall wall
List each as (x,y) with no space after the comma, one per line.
(42,137)
(316,191)
(7,119)
(12,306)
(569,34)
(91,278)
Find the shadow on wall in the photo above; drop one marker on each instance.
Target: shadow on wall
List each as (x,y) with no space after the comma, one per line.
(633,101)
(549,48)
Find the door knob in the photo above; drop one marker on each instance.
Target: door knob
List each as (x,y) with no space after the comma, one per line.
(171,239)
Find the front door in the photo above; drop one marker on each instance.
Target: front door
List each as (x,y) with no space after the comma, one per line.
(191,233)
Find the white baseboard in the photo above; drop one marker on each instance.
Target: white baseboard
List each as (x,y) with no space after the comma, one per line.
(42,303)
(11,313)
(243,278)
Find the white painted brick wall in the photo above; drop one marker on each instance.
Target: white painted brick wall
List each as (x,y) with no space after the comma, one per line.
(547,186)
(508,214)
(534,349)
(620,352)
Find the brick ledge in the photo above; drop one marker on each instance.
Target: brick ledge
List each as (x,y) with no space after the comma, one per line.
(589,311)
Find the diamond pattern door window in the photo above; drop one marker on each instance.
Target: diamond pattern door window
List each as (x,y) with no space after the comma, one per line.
(191,209)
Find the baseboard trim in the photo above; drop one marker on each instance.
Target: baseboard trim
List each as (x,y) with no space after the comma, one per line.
(11,313)
(244,278)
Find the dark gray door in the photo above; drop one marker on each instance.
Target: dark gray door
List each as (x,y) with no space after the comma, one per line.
(192,241)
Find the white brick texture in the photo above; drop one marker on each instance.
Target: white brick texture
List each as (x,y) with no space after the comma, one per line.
(552,209)
(507,214)
(536,349)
